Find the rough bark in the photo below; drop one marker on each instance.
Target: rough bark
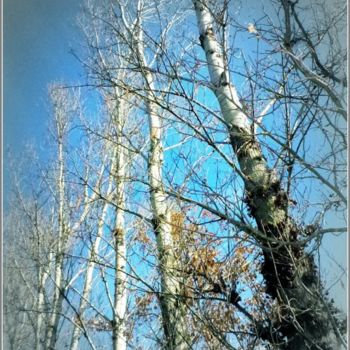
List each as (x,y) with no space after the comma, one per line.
(301,318)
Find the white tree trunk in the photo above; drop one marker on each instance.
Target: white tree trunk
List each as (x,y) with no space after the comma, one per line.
(120,291)
(59,273)
(173,312)
(250,158)
(172,307)
(43,276)
(289,272)
(120,295)
(225,92)
(117,177)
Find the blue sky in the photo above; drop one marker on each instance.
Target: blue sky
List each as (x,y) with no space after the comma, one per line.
(37,38)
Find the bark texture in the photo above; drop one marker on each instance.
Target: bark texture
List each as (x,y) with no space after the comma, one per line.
(172,306)
(301,317)
(42,278)
(120,295)
(62,235)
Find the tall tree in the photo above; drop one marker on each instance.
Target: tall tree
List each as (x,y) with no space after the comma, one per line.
(173,312)
(61,105)
(301,319)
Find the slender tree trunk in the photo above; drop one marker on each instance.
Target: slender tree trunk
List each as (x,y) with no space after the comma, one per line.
(61,239)
(117,176)
(120,292)
(173,311)
(84,301)
(172,307)
(301,320)
(120,295)
(43,275)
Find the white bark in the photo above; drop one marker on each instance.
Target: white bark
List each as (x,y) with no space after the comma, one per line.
(288,270)
(251,161)
(252,164)
(225,92)
(120,291)
(173,311)
(117,177)
(58,279)
(43,276)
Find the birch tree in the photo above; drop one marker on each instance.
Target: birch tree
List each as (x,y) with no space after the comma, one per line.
(302,317)
(173,317)
(120,292)
(130,34)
